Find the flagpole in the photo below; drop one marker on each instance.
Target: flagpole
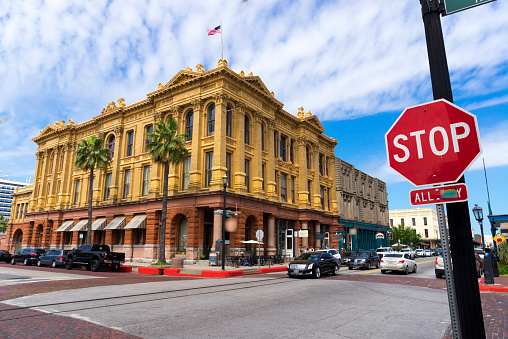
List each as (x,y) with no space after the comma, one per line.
(221,46)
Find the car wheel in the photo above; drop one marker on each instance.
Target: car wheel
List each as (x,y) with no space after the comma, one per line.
(336,270)
(377,264)
(414,271)
(13,262)
(96,265)
(350,267)
(53,264)
(317,273)
(39,263)
(88,267)
(383,271)
(68,264)
(25,262)
(115,267)
(290,275)
(406,271)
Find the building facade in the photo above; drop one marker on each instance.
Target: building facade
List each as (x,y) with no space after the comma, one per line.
(363,207)
(280,170)
(7,187)
(423,220)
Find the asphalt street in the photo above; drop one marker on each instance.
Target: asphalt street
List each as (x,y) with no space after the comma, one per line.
(258,306)
(10,275)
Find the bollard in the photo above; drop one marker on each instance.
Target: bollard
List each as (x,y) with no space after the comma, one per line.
(489,274)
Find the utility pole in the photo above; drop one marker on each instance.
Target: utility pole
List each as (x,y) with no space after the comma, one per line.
(466,286)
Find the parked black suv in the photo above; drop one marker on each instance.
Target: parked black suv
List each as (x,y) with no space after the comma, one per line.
(27,256)
(365,259)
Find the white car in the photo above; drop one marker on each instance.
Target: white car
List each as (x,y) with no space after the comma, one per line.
(384,250)
(397,262)
(420,253)
(428,253)
(410,251)
(332,251)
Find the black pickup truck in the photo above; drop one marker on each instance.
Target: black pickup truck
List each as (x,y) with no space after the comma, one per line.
(93,257)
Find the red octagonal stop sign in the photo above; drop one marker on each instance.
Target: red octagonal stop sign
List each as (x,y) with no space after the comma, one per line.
(433,143)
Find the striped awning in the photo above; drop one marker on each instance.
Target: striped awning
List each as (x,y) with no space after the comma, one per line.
(80,226)
(66,226)
(139,221)
(99,224)
(117,223)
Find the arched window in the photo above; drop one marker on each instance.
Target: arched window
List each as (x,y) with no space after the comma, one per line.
(229,119)
(210,120)
(182,235)
(188,124)
(247,129)
(111,145)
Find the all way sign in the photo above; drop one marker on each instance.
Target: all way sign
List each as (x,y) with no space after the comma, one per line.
(438,195)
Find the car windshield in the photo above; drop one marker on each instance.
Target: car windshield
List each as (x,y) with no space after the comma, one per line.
(405,250)
(308,256)
(393,256)
(382,250)
(360,254)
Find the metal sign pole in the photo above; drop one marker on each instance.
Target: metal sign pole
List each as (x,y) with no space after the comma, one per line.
(452,299)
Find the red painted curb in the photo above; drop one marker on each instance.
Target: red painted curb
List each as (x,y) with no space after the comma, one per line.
(172,271)
(125,269)
(490,288)
(221,274)
(273,269)
(148,270)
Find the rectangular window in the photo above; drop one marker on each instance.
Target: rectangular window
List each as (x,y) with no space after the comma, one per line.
(130,143)
(283,148)
(426,233)
(293,190)
(402,222)
(291,152)
(262,137)
(17,211)
(308,188)
(140,236)
(208,168)
(322,194)
(391,222)
(76,192)
(321,164)
(148,129)
(229,118)
(275,144)
(228,168)
(126,183)
(146,181)
(26,208)
(263,176)
(186,173)
(247,174)
(425,221)
(283,188)
(325,164)
(413,221)
(21,215)
(107,186)
(307,154)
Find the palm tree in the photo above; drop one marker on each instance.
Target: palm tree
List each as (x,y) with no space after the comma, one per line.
(166,147)
(91,154)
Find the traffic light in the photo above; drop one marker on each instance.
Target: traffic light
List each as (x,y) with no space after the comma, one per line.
(389,235)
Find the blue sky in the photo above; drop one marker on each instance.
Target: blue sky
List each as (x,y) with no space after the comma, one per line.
(354,64)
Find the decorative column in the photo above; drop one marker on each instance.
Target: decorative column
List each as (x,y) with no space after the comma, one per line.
(316,202)
(303,193)
(257,176)
(195,170)
(238,180)
(41,199)
(35,195)
(115,175)
(271,235)
(66,183)
(317,230)
(219,145)
(217,230)
(270,168)
(51,194)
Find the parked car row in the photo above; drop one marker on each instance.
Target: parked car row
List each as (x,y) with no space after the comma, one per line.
(92,257)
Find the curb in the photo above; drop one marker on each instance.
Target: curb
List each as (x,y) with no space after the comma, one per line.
(207,273)
(491,288)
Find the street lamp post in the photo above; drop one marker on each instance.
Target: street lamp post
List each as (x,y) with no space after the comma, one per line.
(478,215)
(223,257)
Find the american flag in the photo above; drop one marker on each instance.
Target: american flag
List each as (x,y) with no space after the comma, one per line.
(214,30)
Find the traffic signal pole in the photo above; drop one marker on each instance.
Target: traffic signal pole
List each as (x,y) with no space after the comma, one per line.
(469,308)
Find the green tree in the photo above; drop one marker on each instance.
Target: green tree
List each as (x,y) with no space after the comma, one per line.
(3,224)
(406,234)
(502,252)
(90,155)
(166,147)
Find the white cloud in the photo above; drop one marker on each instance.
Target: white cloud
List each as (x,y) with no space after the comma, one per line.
(338,59)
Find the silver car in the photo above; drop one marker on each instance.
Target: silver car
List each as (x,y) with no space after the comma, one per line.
(399,262)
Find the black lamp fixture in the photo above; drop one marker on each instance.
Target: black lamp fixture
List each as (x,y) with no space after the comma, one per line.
(478,215)
(225,181)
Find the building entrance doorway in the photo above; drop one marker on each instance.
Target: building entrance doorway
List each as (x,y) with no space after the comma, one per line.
(285,243)
(207,234)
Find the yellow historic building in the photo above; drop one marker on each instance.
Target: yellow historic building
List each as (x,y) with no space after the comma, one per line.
(280,169)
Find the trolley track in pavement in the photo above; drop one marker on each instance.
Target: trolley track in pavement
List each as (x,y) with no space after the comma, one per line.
(203,290)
